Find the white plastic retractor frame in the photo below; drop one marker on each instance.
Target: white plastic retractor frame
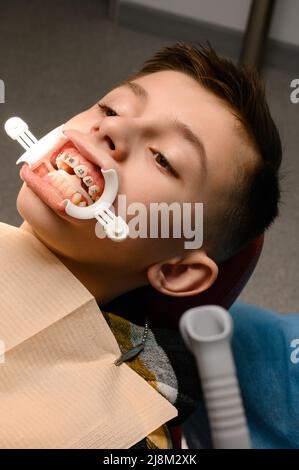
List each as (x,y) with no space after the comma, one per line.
(35,150)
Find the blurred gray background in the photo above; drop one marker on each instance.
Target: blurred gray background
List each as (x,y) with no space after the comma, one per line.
(58,57)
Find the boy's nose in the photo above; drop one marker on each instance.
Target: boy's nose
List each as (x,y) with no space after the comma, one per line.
(113,139)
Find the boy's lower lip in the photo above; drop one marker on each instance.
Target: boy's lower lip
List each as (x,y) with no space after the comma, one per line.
(43,190)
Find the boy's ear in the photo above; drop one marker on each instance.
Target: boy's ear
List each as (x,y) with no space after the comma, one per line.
(183,276)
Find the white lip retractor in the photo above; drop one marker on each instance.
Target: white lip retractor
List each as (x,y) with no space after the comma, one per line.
(35,150)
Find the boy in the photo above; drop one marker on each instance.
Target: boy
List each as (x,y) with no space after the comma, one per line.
(188,127)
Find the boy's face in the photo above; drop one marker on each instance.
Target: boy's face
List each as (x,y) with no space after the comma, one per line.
(129,142)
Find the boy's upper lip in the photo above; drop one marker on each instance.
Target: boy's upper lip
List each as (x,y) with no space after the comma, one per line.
(85,148)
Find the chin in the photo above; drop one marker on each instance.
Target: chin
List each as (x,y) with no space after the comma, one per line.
(45,223)
(62,236)
(33,210)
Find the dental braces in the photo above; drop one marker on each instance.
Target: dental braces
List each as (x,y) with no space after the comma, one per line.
(114,227)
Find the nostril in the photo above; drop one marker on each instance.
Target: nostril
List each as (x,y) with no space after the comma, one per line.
(110,143)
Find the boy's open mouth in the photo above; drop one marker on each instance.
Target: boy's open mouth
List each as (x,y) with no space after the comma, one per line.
(72,175)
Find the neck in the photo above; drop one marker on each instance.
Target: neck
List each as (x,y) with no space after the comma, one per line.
(103,285)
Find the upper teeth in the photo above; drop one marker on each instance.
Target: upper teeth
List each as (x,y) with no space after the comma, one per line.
(80,171)
(92,190)
(71,160)
(88,180)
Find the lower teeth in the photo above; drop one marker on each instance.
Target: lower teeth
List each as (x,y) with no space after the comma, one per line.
(60,178)
(76,198)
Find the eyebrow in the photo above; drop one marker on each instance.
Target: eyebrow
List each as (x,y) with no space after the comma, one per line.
(185,131)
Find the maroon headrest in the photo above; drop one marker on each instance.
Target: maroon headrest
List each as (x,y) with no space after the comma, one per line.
(165,311)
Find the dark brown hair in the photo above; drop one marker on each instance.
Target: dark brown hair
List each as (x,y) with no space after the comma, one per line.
(253,201)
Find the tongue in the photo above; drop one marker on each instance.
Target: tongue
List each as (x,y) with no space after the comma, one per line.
(41,170)
(45,191)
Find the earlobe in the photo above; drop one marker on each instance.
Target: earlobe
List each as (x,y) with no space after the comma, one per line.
(184,276)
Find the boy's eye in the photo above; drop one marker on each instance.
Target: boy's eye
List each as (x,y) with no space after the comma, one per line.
(163,162)
(107,110)
(160,159)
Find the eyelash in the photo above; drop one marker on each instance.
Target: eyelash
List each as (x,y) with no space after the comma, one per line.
(105,108)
